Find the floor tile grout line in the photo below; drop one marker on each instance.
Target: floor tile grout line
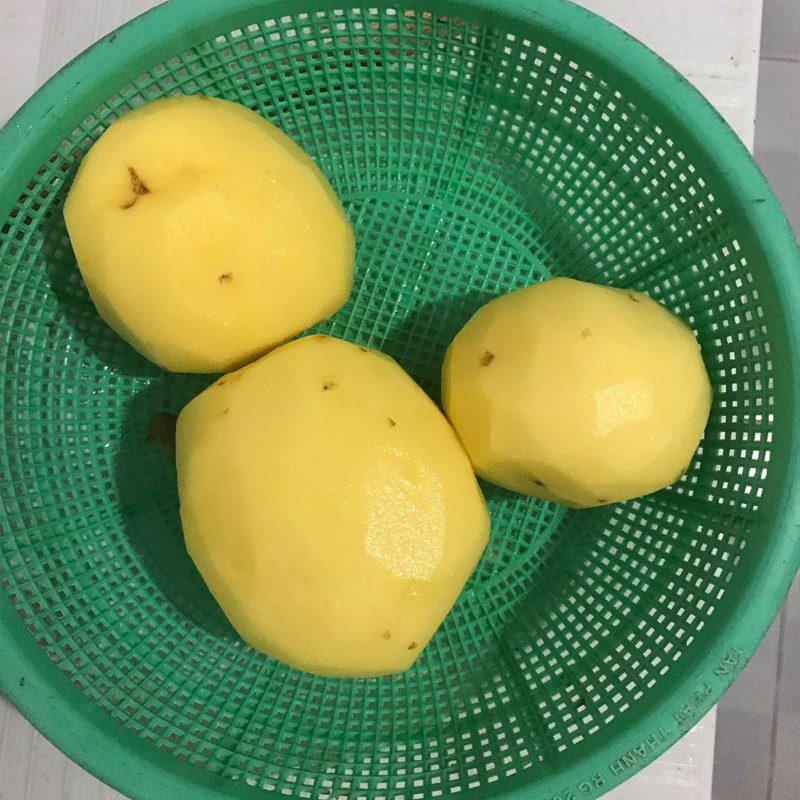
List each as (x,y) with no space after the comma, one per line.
(773,735)
(781,59)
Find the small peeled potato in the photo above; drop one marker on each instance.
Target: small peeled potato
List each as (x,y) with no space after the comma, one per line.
(329,506)
(205,236)
(577,393)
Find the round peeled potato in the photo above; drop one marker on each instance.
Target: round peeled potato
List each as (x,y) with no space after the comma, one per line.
(577,393)
(205,236)
(329,506)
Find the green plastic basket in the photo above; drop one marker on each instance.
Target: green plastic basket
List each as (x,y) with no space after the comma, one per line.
(477,147)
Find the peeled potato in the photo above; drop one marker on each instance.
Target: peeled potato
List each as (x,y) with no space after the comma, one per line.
(205,236)
(577,393)
(329,507)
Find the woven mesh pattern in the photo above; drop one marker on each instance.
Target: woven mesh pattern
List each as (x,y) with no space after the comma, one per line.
(471,161)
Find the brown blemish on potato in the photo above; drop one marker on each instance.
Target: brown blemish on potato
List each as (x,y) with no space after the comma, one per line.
(363,349)
(412,646)
(387,635)
(137,184)
(602,500)
(225,277)
(327,387)
(538,482)
(230,377)
(226,411)
(486,358)
(161,429)
(586,333)
(138,187)
(632,296)
(392,423)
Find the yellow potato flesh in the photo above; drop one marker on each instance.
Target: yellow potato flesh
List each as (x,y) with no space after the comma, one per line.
(329,507)
(205,236)
(577,393)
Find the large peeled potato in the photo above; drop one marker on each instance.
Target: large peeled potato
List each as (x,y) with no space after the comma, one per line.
(205,235)
(577,393)
(329,507)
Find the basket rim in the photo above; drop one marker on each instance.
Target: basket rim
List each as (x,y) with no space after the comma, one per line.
(116,755)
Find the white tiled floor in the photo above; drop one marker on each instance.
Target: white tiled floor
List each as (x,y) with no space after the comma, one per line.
(785,783)
(777,142)
(758,728)
(780,29)
(758,721)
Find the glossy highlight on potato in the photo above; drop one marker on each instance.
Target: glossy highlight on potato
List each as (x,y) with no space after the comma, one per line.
(577,393)
(329,506)
(206,236)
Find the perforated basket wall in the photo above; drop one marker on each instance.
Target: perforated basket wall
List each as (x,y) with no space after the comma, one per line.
(475,153)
